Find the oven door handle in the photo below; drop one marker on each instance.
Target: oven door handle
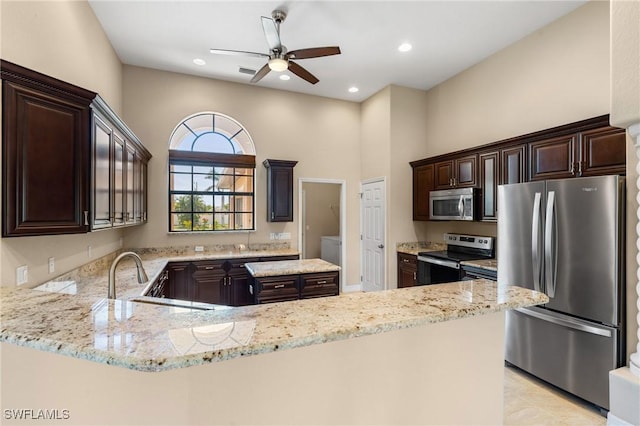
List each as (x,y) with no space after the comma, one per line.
(447,263)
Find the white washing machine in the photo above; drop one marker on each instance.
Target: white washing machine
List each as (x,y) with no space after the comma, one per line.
(330,249)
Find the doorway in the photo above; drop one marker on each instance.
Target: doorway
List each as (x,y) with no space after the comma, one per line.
(322,226)
(373,234)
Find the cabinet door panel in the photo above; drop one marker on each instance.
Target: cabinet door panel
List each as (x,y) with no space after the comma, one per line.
(101,216)
(45,153)
(129,184)
(423,183)
(489,170)
(407,270)
(211,288)
(514,165)
(603,151)
(465,169)
(443,174)
(552,158)
(119,167)
(180,281)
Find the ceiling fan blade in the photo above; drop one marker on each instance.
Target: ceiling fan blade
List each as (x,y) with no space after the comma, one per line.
(238,53)
(302,73)
(261,73)
(314,52)
(271,33)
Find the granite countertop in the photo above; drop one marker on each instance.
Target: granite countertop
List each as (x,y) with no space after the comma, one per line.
(489,264)
(290,267)
(91,280)
(416,247)
(148,337)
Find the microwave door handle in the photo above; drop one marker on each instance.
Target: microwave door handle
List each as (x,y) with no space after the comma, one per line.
(550,246)
(536,238)
(461,207)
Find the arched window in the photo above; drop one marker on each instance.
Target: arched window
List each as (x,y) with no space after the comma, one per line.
(211,175)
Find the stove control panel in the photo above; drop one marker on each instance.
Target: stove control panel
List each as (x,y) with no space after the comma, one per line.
(471,241)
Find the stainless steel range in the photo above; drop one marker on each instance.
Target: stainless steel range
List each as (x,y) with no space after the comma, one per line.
(436,267)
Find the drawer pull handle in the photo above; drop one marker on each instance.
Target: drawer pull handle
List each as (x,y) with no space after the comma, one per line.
(405,260)
(208,268)
(322,282)
(278,286)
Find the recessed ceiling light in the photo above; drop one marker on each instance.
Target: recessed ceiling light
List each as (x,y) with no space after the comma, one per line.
(405,47)
(199,61)
(353,89)
(284,77)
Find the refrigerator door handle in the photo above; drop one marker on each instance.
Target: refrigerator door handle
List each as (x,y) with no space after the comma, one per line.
(550,246)
(536,239)
(574,324)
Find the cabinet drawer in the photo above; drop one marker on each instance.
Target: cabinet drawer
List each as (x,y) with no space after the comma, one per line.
(314,285)
(407,260)
(208,265)
(277,283)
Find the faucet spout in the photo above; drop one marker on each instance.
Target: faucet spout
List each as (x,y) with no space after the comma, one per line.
(142,275)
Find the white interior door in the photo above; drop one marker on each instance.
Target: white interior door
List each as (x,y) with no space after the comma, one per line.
(373,235)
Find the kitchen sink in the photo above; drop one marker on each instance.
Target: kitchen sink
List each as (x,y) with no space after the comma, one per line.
(176,303)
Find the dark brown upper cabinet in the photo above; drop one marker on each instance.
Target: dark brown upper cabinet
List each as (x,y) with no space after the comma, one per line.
(594,152)
(279,190)
(69,163)
(423,183)
(585,148)
(456,173)
(119,171)
(553,158)
(603,152)
(45,154)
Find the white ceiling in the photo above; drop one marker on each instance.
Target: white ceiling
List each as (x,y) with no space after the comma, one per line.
(447,37)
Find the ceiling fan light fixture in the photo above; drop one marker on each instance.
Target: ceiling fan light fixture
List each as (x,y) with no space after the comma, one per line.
(278,64)
(285,77)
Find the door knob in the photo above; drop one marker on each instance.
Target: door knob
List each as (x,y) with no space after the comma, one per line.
(380,246)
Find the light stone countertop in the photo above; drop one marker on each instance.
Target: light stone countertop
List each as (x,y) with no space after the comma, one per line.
(91,280)
(148,337)
(418,246)
(489,264)
(290,267)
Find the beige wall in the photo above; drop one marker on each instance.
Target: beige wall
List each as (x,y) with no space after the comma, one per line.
(63,40)
(283,125)
(557,75)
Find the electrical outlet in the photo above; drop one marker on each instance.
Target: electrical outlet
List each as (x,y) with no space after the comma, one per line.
(22,274)
(89,253)
(52,265)
(273,236)
(121,242)
(199,248)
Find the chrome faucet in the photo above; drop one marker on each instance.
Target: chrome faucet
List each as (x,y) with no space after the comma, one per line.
(142,275)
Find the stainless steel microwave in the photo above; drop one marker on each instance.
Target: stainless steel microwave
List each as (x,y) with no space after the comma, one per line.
(454,204)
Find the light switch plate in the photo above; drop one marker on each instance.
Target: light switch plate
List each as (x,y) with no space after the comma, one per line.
(22,274)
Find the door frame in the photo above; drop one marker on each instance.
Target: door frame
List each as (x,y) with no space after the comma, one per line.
(382,179)
(343,220)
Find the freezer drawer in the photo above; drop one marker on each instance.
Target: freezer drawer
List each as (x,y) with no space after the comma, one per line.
(573,355)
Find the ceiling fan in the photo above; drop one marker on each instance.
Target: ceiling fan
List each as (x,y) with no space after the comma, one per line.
(279,59)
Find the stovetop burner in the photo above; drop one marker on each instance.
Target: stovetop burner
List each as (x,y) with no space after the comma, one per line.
(464,247)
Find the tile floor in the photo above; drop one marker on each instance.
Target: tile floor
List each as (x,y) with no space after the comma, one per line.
(529,401)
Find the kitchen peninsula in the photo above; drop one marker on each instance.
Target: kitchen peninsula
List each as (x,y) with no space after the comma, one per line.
(405,356)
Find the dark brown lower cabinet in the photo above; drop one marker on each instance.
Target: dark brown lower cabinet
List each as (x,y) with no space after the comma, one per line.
(276,289)
(221,282)
(319,285)
(284,288)
(407,270)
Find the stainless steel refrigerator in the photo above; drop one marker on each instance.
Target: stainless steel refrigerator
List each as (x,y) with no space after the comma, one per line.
(566,239)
